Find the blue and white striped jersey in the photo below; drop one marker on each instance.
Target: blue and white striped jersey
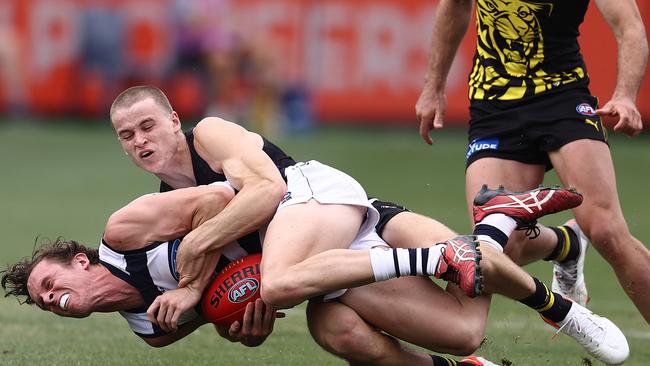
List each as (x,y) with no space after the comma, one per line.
(152,270)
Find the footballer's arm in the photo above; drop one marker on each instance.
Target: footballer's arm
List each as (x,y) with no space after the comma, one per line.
(165,216)
(182,332)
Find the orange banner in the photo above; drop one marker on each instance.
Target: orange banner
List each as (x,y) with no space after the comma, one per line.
(362,61)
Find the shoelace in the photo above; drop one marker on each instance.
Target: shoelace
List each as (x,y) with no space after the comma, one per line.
(532,230)
(591,327)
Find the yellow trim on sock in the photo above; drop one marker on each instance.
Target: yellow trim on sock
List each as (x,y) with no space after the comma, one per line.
(551,301)
(567,244)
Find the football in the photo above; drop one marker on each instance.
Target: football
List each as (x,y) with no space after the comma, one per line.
(224,300)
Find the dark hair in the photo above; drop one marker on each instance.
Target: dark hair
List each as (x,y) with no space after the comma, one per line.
(137,93)
(14,278)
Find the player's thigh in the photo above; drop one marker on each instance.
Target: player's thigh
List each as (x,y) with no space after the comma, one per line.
(302,230)
(418,311)
(513,175)
(587,165)
(411,230)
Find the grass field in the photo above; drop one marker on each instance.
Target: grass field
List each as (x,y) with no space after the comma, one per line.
(66,179)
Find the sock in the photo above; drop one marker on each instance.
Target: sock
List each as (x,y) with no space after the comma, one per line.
(549,304)
(495,229)
(568,245)
(441,361)
(389,262)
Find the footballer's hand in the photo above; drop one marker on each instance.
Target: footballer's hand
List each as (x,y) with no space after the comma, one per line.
(430,110)
(629,119)
(167,308)
(255,327)
(189,262)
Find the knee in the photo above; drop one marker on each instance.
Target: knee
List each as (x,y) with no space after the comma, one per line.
(610,240)
(348,338)
(468,341)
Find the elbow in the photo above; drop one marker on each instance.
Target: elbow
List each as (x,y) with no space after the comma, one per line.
(112,234)
(277,190)
(219,196)
(158,342)
(272,191)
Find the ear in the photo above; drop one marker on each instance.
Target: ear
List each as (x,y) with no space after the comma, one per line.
(82,260)
(176,121)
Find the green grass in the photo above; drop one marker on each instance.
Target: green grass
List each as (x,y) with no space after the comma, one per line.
(66,179)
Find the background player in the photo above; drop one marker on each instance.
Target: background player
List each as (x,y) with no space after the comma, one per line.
(531,110)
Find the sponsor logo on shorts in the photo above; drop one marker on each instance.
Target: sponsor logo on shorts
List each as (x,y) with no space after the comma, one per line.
(593,123)
(482,144)
(585,109)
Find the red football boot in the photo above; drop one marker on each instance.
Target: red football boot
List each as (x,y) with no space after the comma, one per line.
(459,264)
(524,207)
(478,361)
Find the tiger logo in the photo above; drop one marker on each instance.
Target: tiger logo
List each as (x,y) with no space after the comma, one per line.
(509,31)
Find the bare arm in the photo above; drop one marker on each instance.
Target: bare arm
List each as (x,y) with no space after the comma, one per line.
(230,148)
(183,331)
(449,28)
(164,216)
(625,21)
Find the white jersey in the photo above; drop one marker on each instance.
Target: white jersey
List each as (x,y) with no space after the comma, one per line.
(152,270)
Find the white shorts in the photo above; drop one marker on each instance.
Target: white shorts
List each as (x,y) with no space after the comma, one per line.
(370,240)
(314,180)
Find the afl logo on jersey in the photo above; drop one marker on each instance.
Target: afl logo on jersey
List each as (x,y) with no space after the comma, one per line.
(243,290)
(585,109)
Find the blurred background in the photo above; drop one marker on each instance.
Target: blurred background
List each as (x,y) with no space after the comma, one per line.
(280,64)
(332,80)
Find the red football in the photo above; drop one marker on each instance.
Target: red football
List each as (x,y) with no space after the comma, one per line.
(224,300)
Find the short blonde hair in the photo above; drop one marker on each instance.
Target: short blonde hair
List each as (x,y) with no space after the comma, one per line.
(137,93)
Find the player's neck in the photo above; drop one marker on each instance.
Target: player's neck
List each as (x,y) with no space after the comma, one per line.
(113,294)
(179,172)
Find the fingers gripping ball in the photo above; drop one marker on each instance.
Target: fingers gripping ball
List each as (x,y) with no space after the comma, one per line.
(225,299)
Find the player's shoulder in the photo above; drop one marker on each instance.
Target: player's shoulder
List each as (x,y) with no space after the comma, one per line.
(210,125)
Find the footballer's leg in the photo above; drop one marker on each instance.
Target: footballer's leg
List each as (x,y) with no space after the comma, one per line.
(517,177)
(340,331)
(304,255)
(601,217)
(553,244)
(601,338)
(414,308)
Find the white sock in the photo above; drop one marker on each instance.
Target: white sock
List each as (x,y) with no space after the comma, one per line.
(390,263)
(488,239)
(500,221)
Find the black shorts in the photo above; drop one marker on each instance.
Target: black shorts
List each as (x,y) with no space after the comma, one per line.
(387,210)
(526,131)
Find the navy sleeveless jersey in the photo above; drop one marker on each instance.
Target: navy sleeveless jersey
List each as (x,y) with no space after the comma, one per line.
(205,175)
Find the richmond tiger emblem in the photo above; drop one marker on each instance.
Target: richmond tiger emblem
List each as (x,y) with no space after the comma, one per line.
(510,50)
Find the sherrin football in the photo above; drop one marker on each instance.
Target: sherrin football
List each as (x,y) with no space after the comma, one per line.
(224,300)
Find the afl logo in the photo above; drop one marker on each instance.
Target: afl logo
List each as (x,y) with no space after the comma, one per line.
(243,290)
(585,109)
